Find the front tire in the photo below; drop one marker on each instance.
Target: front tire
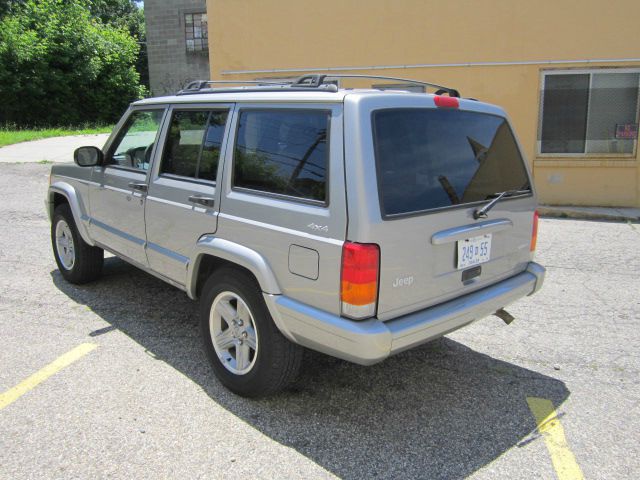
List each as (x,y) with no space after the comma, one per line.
(77,261)
(248,353)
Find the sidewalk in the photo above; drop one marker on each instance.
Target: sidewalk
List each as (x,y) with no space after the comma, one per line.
(55,149)
(617,214)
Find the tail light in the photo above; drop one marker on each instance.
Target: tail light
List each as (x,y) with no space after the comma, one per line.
(359,289)
(534,233)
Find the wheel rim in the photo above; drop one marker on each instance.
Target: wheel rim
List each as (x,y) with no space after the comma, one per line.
(65,248)
(233,333)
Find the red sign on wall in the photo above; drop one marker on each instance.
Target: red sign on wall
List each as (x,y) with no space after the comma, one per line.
(627,131)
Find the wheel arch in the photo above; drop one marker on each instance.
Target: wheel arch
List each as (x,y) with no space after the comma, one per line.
(61,192)
(211,253)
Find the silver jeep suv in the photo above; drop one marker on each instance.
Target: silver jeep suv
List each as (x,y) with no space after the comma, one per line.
(355,222)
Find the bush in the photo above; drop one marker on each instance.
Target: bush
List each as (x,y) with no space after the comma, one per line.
(61,66)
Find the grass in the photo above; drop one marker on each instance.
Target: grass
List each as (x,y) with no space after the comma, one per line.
(9,136)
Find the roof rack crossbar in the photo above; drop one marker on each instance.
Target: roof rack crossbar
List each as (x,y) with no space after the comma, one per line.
(204,86)
(285,88)
(316,79)
(205,83)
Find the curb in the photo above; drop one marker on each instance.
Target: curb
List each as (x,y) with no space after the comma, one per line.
(609,214)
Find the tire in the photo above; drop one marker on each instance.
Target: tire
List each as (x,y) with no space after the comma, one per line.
(249,356)
(78,261)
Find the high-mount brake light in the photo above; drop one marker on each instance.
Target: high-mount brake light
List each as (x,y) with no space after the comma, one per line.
(534,233)
(446,102)
(359,282)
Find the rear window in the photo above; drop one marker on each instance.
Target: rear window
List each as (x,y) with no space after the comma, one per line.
(434,158)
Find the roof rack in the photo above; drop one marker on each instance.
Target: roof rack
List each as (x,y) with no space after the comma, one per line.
(317,81)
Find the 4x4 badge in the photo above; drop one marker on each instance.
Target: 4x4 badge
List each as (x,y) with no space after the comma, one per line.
(318,228)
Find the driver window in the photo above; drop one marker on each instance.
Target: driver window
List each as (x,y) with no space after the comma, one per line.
(135,142)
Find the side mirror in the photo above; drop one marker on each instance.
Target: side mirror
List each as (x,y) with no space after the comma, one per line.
(88,156)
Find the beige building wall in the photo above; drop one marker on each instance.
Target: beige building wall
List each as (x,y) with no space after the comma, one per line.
(493,50)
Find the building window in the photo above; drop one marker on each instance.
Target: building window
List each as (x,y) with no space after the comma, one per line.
(196,33)
(589,112)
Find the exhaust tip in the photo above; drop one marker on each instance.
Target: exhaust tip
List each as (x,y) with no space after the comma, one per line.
(505,316)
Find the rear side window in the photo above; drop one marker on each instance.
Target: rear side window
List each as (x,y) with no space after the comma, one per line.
(435,158)
(283,152)
(193,144)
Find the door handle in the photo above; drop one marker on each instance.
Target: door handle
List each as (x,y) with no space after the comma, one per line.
(202,200)
(141,187)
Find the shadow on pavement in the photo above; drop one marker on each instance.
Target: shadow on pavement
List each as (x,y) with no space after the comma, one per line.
(439,411)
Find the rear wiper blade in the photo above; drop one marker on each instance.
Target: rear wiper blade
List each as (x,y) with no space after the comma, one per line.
(482,212)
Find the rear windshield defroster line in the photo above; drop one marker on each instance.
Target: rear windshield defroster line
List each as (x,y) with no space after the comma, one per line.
(428,159)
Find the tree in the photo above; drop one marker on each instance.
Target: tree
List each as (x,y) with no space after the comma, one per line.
(125,14)
(7,5)
(61,66)
(115,12)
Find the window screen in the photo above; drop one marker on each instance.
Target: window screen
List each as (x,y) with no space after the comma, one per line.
(564,124)
(193,144)
(581,112)
(614,101)
(283,152)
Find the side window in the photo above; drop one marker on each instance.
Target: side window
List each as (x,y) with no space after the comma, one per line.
(135,141)
(283,152)
(212,146)
(181,152)
(193,144)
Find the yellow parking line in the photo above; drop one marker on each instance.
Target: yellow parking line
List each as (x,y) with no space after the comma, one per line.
(11,395)
(549,426)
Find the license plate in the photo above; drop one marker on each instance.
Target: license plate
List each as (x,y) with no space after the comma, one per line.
(474,251)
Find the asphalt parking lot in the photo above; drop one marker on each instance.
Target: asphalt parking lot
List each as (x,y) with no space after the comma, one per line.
(140,401)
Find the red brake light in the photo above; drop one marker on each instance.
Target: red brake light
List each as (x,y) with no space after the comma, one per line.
(534,233)
(446,102)
(359,285)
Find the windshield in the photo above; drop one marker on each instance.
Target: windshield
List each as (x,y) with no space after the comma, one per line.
(434,158)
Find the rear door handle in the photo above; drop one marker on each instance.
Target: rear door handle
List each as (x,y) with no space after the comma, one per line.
(141,187)
(202,200)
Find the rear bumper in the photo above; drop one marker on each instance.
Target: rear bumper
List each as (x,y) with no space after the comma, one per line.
(371,341)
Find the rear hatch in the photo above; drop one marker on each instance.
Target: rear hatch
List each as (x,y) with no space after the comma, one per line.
(434,168)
